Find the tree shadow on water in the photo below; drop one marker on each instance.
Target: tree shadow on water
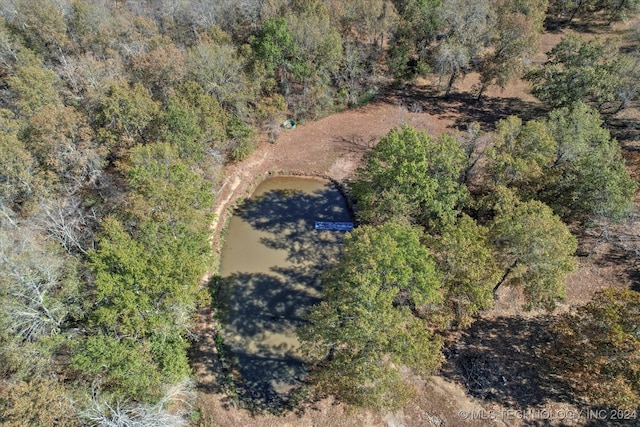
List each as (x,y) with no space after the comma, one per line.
(261,310)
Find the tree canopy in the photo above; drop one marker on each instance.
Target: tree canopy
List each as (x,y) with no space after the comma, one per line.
(411,176)
(599,345)
(374,317)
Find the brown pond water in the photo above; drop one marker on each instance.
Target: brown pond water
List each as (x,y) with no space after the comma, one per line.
(270,266)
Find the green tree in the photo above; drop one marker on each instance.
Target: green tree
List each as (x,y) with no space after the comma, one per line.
(411,176)
(33,85)
(521,155)
(614,10)
(534,248)
(275,48)
(123,115)
(125,365)
(413,36)
(219,69)
(41,24)
(579,70)
(468,25)
(470,269)
(164,189)
(569,161)
(588,179)
(598,346)
(20,178)
(378,303)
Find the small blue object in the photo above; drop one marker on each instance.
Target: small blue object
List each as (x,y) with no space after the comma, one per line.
(342,226)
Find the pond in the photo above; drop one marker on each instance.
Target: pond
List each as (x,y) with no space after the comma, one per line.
(270,267)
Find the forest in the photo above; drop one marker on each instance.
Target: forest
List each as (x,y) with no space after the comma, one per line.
(118,119)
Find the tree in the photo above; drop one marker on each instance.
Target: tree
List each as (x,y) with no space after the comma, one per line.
(39,289)
(470,269)
(20,178)
(124,365)
(569,161)
(588,179)
(598,346)
(160,69)
(518,27)
(275,48)
(64,146)
(40,401)
(521,155)
(534,248)
(467,26)
(578,70)
(147,286)
(411,176)
(33,85)
(378,303)
(164,189)
(219,69)
(41,24)
(614,10)
(413,37)
(123,116)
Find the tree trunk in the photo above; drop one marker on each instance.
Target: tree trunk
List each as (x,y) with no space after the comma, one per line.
(503,279)
(452,79)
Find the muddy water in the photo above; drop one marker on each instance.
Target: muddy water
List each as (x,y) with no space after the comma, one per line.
(270,266)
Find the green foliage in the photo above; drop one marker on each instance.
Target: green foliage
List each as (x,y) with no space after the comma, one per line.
(613,10)
(598,346)
(570,162)
(20,180)
(165,190)
(41,24)
(578,70)
(412,177)
(372,318)
(533,247)
(125,366)
(34,85)
(274,46)
(219,69)
(521,155)
(419,23)
(123,116)
(470,269)
(589,179)
(516,38)
(170,353)
(148,285)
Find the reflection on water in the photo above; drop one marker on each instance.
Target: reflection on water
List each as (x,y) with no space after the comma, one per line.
(270,267)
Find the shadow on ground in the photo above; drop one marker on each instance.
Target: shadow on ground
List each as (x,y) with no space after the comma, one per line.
(463,107)
(503,360)
(261,310)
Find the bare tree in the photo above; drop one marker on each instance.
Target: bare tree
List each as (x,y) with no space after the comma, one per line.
(67,221)
(33,285)
(126,414)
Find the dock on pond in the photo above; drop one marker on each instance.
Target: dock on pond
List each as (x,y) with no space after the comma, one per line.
(327,225)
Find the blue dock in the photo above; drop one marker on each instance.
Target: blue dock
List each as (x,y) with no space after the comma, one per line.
(326,225)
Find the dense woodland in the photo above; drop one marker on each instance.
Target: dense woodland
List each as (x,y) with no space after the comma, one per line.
(117,118)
